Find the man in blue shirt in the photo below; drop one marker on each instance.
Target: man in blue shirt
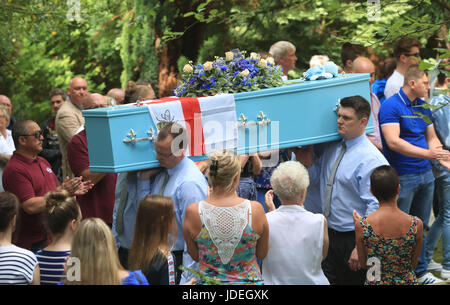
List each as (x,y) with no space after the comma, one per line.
(179,179)
(409,143)
(348,191)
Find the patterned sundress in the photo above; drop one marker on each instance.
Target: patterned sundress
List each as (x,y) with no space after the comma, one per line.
(393,254)
(227,243)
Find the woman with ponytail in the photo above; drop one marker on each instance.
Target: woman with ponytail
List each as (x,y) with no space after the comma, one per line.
(61,217)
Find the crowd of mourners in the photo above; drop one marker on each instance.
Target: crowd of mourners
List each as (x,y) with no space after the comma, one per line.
(348,212)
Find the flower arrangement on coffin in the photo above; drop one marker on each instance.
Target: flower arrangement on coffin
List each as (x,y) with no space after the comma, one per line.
(232,74)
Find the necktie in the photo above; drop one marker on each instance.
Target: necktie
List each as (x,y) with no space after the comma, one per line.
(122,204)
(163,186)
(329,186)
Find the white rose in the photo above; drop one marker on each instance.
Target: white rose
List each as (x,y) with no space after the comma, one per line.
(229,56)
(245,73)
(208,65)
(187,68)
(254,55)
(270,60)
(262,63)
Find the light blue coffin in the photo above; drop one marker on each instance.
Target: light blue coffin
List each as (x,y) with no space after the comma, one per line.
(299,113)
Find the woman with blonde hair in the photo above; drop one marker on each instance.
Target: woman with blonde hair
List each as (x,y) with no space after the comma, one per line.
(225,233)
(93,246)
(62,215)
(151,247)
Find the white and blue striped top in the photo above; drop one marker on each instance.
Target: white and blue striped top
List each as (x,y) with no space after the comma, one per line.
(51,265)
(16,265)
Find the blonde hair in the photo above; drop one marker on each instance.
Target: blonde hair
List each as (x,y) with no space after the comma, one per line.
(5,112)
(155,220)
(224,165)
(289,180)
(93,244)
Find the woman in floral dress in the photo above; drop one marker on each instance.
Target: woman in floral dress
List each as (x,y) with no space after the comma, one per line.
(388,240)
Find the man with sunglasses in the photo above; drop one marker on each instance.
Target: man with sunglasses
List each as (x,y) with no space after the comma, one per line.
(405,52)
(30,177)
(99,201)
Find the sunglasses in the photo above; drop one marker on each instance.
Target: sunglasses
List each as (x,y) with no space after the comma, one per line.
(37,134)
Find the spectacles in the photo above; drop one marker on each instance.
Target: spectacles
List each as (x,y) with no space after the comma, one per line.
(164,155)
(37,134)
(415,54)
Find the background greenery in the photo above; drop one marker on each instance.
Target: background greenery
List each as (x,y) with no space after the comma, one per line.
(43,44)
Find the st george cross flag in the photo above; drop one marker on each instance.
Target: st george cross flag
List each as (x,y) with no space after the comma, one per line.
(209,121)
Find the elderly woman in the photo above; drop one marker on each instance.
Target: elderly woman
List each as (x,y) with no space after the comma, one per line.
(298,239)
(6,141)
(225,233)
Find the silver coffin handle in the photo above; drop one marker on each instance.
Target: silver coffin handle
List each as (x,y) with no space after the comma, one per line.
(261,120)
(131,137)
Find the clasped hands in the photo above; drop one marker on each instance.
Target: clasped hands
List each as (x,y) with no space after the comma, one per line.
(76,186)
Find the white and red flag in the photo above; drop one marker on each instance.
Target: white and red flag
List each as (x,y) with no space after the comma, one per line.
(209,121)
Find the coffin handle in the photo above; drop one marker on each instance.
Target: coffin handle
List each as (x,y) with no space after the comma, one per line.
(261,120)
(131,137)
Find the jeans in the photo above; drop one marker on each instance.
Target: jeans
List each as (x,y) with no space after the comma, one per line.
(416,198)
(441,225)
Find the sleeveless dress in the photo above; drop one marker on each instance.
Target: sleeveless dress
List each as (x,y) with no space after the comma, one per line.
(227,244)
(394,255)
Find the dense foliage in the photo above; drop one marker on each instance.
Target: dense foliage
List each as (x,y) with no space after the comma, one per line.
(43,43)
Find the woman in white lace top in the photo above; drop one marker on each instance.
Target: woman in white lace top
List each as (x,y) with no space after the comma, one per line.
(225,233)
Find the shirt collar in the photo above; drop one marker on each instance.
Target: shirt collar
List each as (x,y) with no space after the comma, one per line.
(406,100)
(354,141)
(22,158)
(292,207)
(177,167)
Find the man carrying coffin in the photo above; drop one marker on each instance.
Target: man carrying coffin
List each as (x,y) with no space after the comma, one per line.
(342,169)
(179,179)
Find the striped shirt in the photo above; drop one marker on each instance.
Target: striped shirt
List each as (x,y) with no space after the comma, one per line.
(51,265)
(16,265)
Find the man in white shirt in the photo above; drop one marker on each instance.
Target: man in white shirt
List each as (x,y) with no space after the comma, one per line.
(404,51)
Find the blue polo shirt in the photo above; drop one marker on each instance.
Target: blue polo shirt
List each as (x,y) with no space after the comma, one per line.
(395,111)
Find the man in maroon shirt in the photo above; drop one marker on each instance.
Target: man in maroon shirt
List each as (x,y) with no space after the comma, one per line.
(30,177)
(99,201)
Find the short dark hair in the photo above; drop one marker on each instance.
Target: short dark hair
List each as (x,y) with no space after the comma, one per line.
(413,73)
(350,52)
(20,128)
(384,183)
(9,206)
(175,130)
(404,45)
(58,91)
(357,103)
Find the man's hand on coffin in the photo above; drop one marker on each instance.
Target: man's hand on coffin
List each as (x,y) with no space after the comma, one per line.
(148,173)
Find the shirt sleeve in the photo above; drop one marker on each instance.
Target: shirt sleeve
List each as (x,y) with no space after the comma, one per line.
(18,183)
(388,114)
(77,155)
(188,193)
